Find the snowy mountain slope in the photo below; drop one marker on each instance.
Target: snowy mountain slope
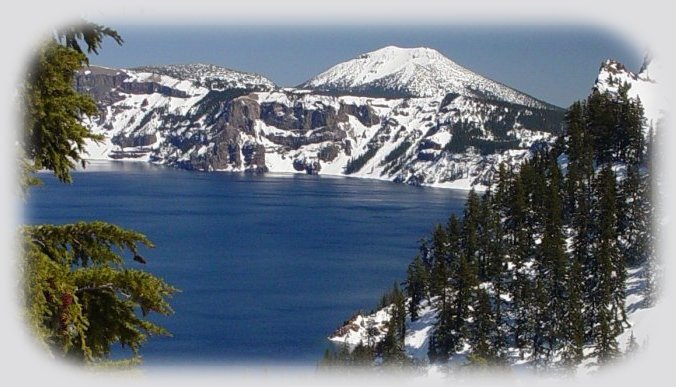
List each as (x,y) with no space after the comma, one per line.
(360,329)
(212,76)
(412,72)
(643,84)
(640,315)
(208,118)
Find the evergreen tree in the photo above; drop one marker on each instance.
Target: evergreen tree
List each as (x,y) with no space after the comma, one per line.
(443,340)
(608,293)
(54,137)
(635,217)
(392,347)
(539,262)
(602,125)
(631,144)
(483,330)
(454,233)
(80,299)
(416,285)
(464,282)
(519,251)
(440,251)
(573,323)
(486,238)
(553,265)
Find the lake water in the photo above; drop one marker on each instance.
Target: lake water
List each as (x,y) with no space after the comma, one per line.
(268,266)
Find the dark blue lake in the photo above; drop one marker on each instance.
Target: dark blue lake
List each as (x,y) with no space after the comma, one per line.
(268,266)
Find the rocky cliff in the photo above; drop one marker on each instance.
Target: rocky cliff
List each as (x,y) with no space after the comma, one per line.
(214,119)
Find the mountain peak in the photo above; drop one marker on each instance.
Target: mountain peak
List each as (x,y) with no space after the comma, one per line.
(409,50)
(644,85)
(411,72)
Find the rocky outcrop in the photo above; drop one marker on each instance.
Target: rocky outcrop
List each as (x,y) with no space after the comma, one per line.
(242,113)
(140,140)
(104,85)
(364,113)
(254,157)
(184,117)
(328,152)
(150,88)
(299,118)
(310,166)
(100,83)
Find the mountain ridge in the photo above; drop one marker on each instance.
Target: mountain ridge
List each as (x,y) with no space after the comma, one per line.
(413,72)
(429,333)
(206,117)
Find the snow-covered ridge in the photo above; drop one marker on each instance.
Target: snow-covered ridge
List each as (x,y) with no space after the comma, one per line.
(418,72)
(211,76)
(369,329)
(643,85)
(206,117)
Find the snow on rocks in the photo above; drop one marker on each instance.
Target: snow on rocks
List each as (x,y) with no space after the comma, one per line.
(643,85)
(206,117)
(417,72)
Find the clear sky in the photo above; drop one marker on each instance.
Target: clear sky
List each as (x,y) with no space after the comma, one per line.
(555,64)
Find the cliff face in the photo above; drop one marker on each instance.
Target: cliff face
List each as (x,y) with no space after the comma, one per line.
(210,120)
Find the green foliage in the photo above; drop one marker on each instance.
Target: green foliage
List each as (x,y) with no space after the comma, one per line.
(539,262)
(54,136)
(90,33)
(80,299)
(417,284)
(615,125)
(484,328)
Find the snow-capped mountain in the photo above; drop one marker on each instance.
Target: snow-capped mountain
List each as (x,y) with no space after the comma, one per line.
(643,84)
(209,118)
(371,328)
(412,72)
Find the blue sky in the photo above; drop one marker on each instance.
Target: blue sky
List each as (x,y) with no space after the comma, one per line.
(556,64)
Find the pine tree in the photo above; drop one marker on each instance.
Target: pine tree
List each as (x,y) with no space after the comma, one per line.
(454,233)
(576,212)
(573,329)
(416,285)
(631,144)
(463,282)
(539,262)
(443,340)
(54,136)
(602,125)
(440,251)
(470,227)
(550,266)
(519,251)
(608,294)
(80,299)
(483,331)
(391,348)
(635,217)
(487,238)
